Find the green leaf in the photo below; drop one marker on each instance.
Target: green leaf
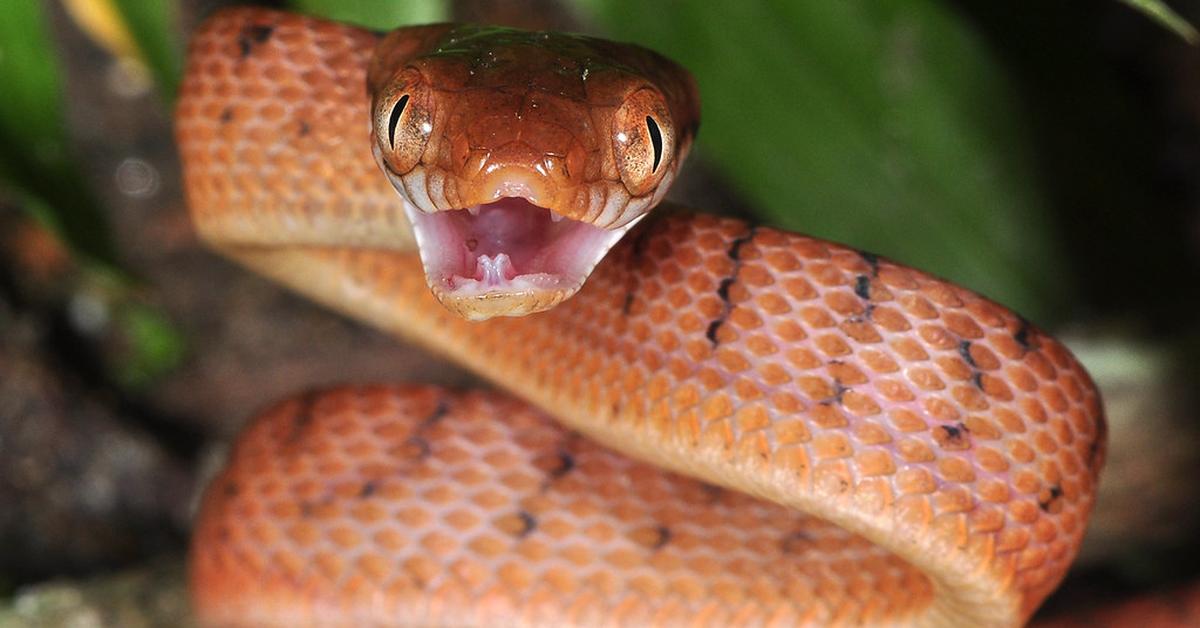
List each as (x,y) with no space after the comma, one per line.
(884,124)
(154,27)
(1165,16)
(377,14)
(36,163)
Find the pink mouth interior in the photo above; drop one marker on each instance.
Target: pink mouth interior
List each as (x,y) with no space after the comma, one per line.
(510,245)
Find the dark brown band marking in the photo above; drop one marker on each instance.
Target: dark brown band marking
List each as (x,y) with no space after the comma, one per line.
(735,254)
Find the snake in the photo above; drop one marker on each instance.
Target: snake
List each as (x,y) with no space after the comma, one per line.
(696,420)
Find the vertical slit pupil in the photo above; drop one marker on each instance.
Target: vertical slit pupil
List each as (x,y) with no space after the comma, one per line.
(656,140)
(395,119)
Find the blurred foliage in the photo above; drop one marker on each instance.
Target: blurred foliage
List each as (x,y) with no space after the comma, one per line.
(36,163)
(1108,95)
(154,26)
(104,24)
(154,345)
(143,30)
(882,124)
(377,14)
(1168,18)
(39,167)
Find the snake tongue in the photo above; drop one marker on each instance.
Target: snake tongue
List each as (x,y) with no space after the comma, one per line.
(507,258)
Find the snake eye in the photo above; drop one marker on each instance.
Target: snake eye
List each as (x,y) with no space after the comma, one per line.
(403,121)
(643,140)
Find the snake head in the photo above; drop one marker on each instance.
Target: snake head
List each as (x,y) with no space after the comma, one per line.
(523,157)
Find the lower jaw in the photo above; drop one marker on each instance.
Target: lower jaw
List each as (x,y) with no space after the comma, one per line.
(484,305)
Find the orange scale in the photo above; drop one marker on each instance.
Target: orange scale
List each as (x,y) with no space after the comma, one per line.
(752,271)
(970,398)
(832,346)
(534,550)
(962,325)
(799,289)
(913,450)
(845,304)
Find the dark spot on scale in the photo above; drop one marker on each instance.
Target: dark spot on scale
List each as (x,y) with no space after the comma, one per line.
(231,489)
(1048,502)
(226,115)
(367,490)
(964,349)
(952,437)
(628,303)
(872,260)
(305,129)
(977,379)
(865,315)
(664,537)
(419,446)
(793,543)
(638,245)
(735,248)
(723,289)
(439,413)
(1022,335)
(1094,456)
(302,418)
(528,523)
(839,392)
(566,462)
(252,36)
(711,332)
(862,287)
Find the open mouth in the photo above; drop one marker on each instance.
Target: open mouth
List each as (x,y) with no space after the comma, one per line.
(508,257)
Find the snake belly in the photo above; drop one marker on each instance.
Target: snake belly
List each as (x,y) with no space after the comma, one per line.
(751,426)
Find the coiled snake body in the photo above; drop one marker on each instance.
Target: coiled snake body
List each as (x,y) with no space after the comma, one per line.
(902,450)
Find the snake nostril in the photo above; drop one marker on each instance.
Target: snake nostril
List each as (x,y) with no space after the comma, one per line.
(474,162)
(555,167)
(575,163)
